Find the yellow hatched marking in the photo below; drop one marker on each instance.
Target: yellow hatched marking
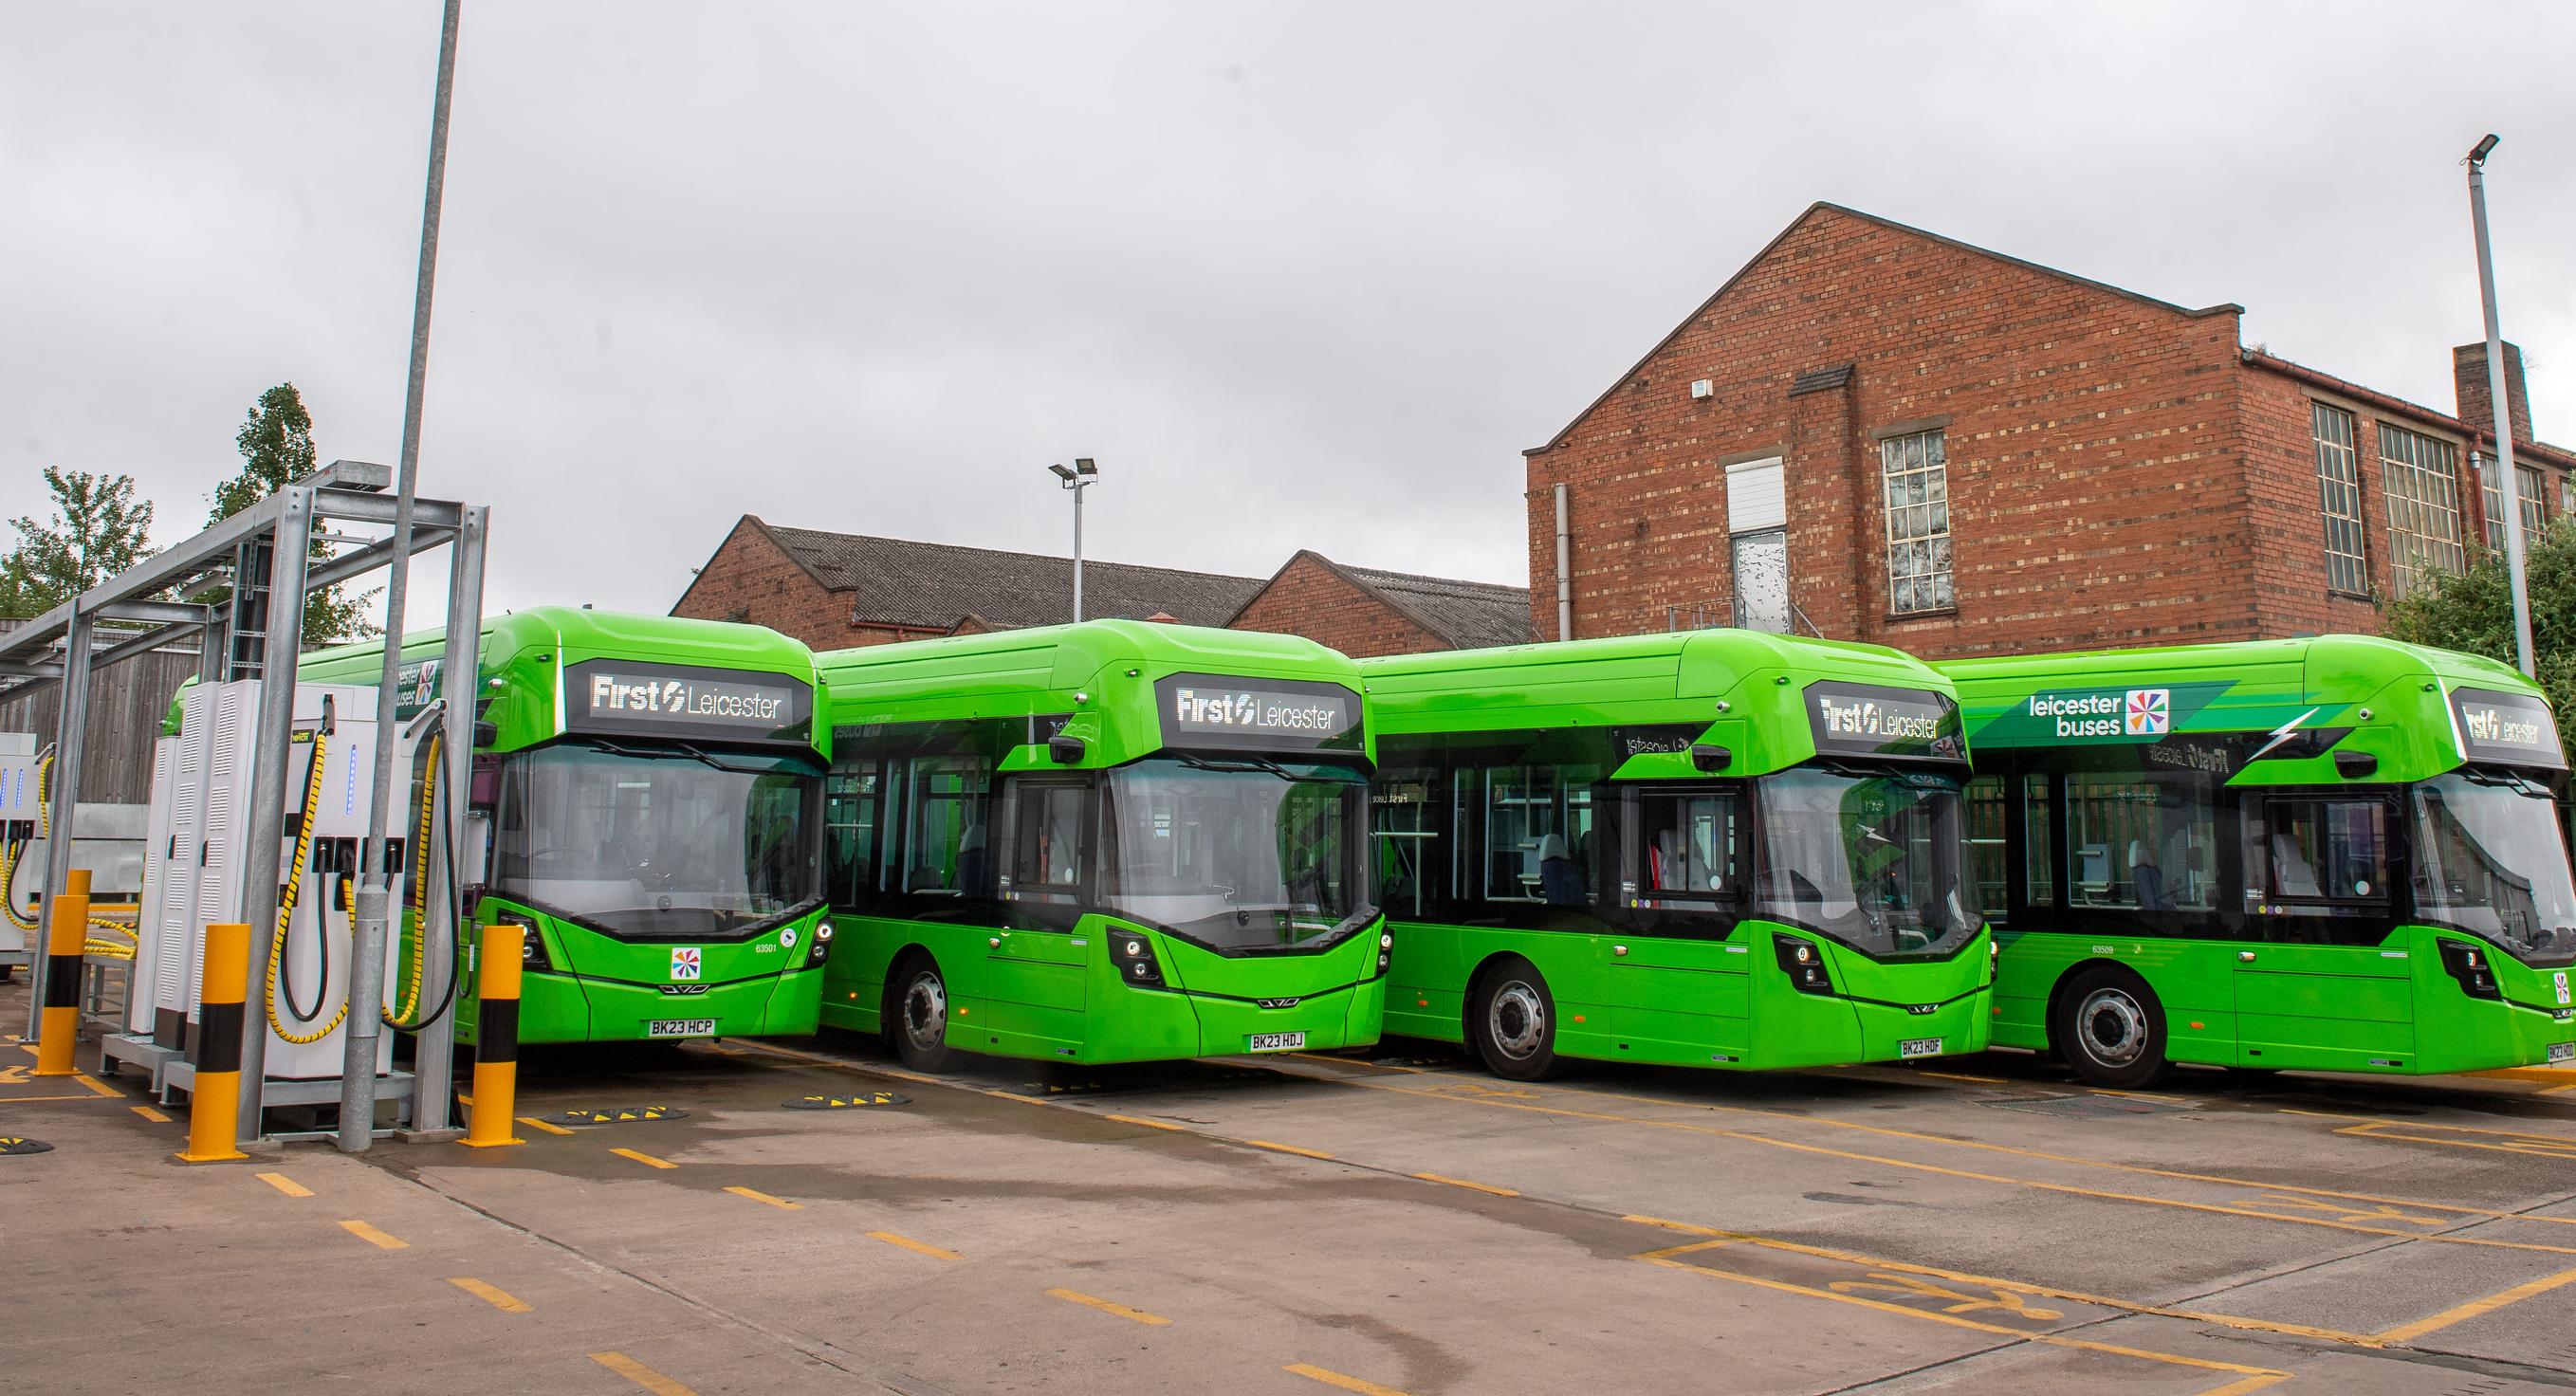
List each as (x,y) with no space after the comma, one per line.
(646,1159)
(2496,1141)
(923,1247)
(2409,1332)
(1287,1149)
(534,1123)
(151,1114)
(493,1295)
(1106,1307)
(1729,1238)
(1463,1183)
(287,1185)
(2247,1384)
(641,1375)
(374,1237)
(757,1195)
(1141,1120)
(1346,1382)
(1962,1076)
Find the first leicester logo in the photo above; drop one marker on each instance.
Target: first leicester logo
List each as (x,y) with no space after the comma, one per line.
(2148,713)
(684,962)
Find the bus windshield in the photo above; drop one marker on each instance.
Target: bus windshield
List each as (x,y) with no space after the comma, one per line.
(1244,855)
(1873,859)
(2492,863)
(659,842)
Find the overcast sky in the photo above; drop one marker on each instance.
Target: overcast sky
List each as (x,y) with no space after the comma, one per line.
(1297,275)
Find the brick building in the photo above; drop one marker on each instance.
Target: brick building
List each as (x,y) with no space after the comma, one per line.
(840,590)
(1873,432)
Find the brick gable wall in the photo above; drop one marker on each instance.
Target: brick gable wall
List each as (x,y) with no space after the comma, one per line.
(1310,599)
(750,578)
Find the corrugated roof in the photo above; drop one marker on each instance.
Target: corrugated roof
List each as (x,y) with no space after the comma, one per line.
(1468,615)
(896,581)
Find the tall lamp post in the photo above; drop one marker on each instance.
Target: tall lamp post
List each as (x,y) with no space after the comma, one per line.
(2509,486)
(1081,477)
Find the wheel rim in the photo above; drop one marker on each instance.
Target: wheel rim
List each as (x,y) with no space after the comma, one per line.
(1516,1021)
(2111,1026)
(925,1011)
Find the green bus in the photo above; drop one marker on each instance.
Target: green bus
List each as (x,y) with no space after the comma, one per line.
(647,802)
(2337,854)
(1106,842)
(1720,848)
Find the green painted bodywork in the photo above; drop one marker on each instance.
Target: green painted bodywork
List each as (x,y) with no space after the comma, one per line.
(1054,994)
(2245,1001)
(601,988)
(1674,1000)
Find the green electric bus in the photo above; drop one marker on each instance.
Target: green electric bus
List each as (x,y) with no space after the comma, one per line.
(1105,842)
(1720,848)
(647,802)
(2336,853)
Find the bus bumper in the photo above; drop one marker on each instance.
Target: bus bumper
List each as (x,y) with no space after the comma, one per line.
(561,1008)
(1213,1006)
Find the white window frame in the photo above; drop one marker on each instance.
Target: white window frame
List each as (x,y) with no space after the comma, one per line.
(1914,487)
(2339,498)
(2419,477)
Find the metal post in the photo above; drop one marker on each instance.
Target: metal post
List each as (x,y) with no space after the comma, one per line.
(284,628)
(367,953)
(460,682)
(70,726)
(1564,576)
(2510,487)
(1077,552)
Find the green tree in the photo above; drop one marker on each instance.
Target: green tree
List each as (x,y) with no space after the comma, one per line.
(98,530)
(2473,612)
(276,443)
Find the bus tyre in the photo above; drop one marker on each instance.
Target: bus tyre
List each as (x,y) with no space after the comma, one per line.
(1513,1022)
(916,1016)
(2111,1029)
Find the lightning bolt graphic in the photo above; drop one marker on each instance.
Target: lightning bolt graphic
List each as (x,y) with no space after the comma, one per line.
(2282,734)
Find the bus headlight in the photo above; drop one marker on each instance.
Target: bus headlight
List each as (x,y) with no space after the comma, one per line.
(1385,950)
(1803,963)
(532,946)
(2473,966)
(821,945)
(1133,955)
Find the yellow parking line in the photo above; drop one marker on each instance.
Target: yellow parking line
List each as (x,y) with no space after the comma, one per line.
(151,1114)
(757,1195)
(1287,1149)
(501,1299)
(1958,1076)
(641,1375)
(96,1088)
(1106,1307)
(1463,1183)
(2243,1385)
(286,1185)
(924,1247)
(1139,1120)
(374,1237)
(647,1159)
(1333,1378)
(2409,1332)
(534,1123)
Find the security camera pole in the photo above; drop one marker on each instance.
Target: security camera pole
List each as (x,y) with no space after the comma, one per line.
(2506,482)
(367,951)
(1082,476)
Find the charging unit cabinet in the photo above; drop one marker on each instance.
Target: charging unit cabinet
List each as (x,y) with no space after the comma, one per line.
(18,824)
(198,862)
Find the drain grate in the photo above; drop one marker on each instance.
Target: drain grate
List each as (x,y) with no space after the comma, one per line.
(857,1100)
(2090,1107)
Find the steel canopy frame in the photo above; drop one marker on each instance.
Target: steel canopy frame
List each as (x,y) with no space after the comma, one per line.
(61,646)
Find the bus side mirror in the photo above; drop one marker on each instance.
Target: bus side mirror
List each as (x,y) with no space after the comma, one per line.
(1709,756)
(2353,765)
(1064,750)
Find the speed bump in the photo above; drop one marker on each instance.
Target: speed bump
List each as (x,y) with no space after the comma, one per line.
(852,1101)
(12,1145)
(627,1114)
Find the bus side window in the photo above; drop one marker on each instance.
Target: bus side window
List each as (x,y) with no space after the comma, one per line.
(1689,849)
(1404,813)
(947,834)
(1989,844)
(1045,856)
(851,801)
(2142,842)
(2039,850)
(2319,857)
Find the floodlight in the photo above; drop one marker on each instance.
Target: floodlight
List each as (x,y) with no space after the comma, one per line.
(1062,474)
(2479,155)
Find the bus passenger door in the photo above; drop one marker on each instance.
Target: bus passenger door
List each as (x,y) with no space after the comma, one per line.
(2324,984)
(1036,962)
(1680,988)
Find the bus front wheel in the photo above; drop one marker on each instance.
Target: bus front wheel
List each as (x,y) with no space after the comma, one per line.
(2111,1028)
(1513,1022)
(916,1018)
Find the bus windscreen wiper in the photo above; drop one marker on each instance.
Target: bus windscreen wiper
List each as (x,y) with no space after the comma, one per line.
(1256,763)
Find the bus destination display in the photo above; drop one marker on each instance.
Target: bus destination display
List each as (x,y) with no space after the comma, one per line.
(674,700)
(2510,729)
(1865,720)
(1215,712)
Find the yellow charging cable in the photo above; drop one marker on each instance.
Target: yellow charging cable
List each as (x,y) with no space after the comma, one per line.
(286,910)
(419,896)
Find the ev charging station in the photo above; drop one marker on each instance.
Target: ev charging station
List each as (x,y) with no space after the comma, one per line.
(261,801)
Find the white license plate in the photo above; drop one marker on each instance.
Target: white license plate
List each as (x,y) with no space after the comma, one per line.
(1918,1047)
(2562,1052)
(680,1027)
(1274,1042)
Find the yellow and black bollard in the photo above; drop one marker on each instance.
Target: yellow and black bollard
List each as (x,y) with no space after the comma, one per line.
(58,1026)
(496,1037)
(214,1100)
